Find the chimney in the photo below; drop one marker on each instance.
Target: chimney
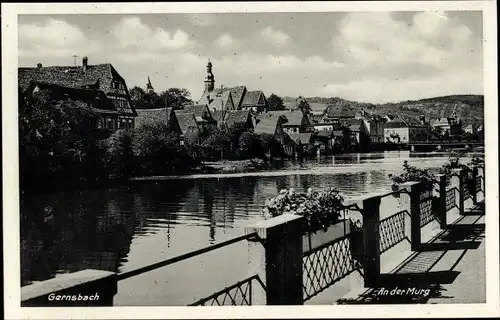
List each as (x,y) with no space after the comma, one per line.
(38,65)
(85,61)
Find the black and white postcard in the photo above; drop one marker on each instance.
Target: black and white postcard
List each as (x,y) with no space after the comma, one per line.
(280,159)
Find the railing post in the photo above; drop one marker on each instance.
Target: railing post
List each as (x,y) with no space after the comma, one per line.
(371,241)
(442,201)
(83,288)
(276,257)
(473,185)
(461,183)
(414,190)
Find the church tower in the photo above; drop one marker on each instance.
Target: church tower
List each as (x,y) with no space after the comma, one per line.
(149,87)
(209,79)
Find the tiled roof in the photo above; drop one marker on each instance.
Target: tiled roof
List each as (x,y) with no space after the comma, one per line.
(237,94)
(231,117)
(95,98)
(303,138)
(253,98)
(340,110)
(99,76)
(402,122)
(201,112)
(185,121)
(293,118)
(153,115)
(218,100)
(223,100)
(218,115)
(236,117)
(73,77)
(266,124)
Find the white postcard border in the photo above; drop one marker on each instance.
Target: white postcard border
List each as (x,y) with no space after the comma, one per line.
(10,166)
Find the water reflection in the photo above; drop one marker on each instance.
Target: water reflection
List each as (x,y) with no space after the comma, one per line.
(123,228)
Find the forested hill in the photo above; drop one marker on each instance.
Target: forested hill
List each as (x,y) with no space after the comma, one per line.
(469,107)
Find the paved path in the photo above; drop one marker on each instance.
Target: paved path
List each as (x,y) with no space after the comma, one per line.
(450,268)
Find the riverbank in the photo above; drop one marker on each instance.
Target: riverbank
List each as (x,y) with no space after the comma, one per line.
(235,166)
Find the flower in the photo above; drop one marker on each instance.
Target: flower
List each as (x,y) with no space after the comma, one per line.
(320,209)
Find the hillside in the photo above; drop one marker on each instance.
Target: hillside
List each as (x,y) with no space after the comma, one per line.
(469,107)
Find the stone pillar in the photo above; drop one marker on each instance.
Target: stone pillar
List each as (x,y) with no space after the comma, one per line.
(371,241)
(277,259)
(83,288)
(414,190)
(442,201)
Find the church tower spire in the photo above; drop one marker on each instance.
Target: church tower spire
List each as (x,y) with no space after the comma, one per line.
(209,79)
(149,86)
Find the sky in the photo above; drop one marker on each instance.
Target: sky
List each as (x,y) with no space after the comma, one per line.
(367,56)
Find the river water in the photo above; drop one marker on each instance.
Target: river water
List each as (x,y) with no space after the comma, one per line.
(124,228)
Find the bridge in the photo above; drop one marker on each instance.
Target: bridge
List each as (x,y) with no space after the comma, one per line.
(439,145)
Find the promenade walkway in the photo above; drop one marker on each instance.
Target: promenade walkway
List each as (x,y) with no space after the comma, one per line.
(450,268)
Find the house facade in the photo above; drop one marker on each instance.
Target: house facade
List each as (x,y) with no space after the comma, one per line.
(190,131)
(374,125)
(403,131)
(267,123)
(450,125)
(319,122)
(359,134)
(103,77)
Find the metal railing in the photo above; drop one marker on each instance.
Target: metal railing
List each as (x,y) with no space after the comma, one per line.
(451,199)
(426,211)
(392,230)
(328,264)
(478,184)
(239,294)
(467,193)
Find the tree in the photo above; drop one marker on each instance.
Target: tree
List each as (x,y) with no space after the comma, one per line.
(275,103)
(118,155)
(57,142)
(304,105)
(145,100)
(175,97)
(159,151)
(217,146)
(250,146)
